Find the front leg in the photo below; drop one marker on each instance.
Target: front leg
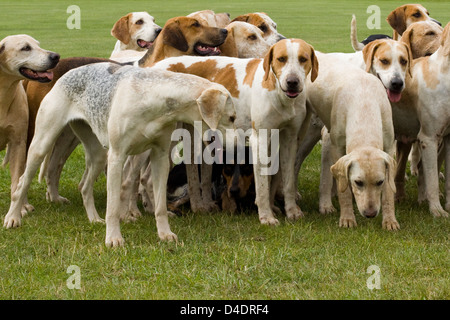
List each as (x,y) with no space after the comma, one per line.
(288,151)
(403,150)
(431,175)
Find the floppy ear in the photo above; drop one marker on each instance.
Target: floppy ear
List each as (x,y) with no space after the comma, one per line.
(174,37)
(120,30)
(445,40)
(314,65)
(211,104)
(340,172)
(391,167)
(410,59)
(243,18)
(267,63)
(229,48)
(396,20)
(368,53)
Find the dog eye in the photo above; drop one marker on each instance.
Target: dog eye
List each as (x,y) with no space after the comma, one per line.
(417,14)
(140,21)
(263,28)
(384,61)
(196,24)
(302,59)
(26,48)
(282,59)
(403,62)
(359,183)
(379,183)
(252,37)
(430,33)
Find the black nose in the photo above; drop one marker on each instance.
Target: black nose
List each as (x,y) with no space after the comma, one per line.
(234,191)
(397,84)
(292,82)
(54,57)
(157,31)
(224,32)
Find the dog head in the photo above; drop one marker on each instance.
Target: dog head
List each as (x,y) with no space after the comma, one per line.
(212,19)
(366,172)
(390,61)
(264,23)
(238,174)
(244,40)
(424,38)
(217,108)
(190,37)
(402,17)
(137,30)
(290,61)
(21,56)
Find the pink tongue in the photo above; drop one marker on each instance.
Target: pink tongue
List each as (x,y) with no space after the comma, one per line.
(48,75)
(394,96)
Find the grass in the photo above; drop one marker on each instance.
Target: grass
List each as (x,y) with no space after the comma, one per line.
(219,256)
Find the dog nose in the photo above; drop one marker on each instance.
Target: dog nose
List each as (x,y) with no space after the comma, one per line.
(54,57)
(370,213)
(397,84)
(158,31)
(224,32)
(292,82)
(234,191)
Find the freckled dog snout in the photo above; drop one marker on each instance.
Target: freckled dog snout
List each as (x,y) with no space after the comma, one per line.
(54,56)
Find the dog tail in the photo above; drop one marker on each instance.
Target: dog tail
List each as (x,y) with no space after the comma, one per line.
(6,159)
(357,46)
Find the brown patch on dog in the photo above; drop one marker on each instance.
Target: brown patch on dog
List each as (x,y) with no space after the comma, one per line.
(121,29)
(423,38)
(250,71)
(208,69)
(256,20)
(402,17)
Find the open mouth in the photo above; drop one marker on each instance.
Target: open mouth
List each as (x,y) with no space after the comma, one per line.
(41,76)
(394,96)
(291,93)
(206,50)
(144,44)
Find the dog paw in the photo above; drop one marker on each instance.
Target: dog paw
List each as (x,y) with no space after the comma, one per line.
(12,222)
(56,198)
(347,222)
(269,221)
(168,236)
(114,242)
(438,212)
(210,206)
(391,225)
(327,209)
(26,208)
(294,214)
(97,220)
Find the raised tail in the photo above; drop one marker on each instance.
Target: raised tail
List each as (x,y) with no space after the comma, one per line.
(357,46)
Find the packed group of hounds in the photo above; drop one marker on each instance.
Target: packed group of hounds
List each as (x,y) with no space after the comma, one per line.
(372,109)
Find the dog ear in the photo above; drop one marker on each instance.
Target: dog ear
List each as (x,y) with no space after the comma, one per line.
(410,59)
(174,37)
(212,104)
(314,65)
(2,48)
(445,40)
(243,18)
(396,20)
(340,172)
(391,167)
(369,52)
(120,30)
(267,63)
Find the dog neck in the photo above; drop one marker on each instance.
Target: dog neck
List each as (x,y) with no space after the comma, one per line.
(9,89)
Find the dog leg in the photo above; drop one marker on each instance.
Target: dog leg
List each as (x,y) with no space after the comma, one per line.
(326,178)
(148,198)
(403,150)
(388,207)
(160,172)
(95,158)
(347,218)
(64,146)
(446,152)
(208,202)
(431,174)
(262,184)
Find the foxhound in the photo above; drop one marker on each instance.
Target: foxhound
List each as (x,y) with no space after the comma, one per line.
(212,19)
(135,33)
(422,114)
(268,94)
(126,110)
(359,120)
(264,23)
(20,58)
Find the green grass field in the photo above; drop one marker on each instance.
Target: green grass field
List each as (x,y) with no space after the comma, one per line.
(219,256)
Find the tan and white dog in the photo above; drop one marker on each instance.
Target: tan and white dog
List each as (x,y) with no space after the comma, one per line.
(212,19)
(359,120)
(127,110)
(264,23)
(20,58)
(423,114)
(268,94)
(135,33)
